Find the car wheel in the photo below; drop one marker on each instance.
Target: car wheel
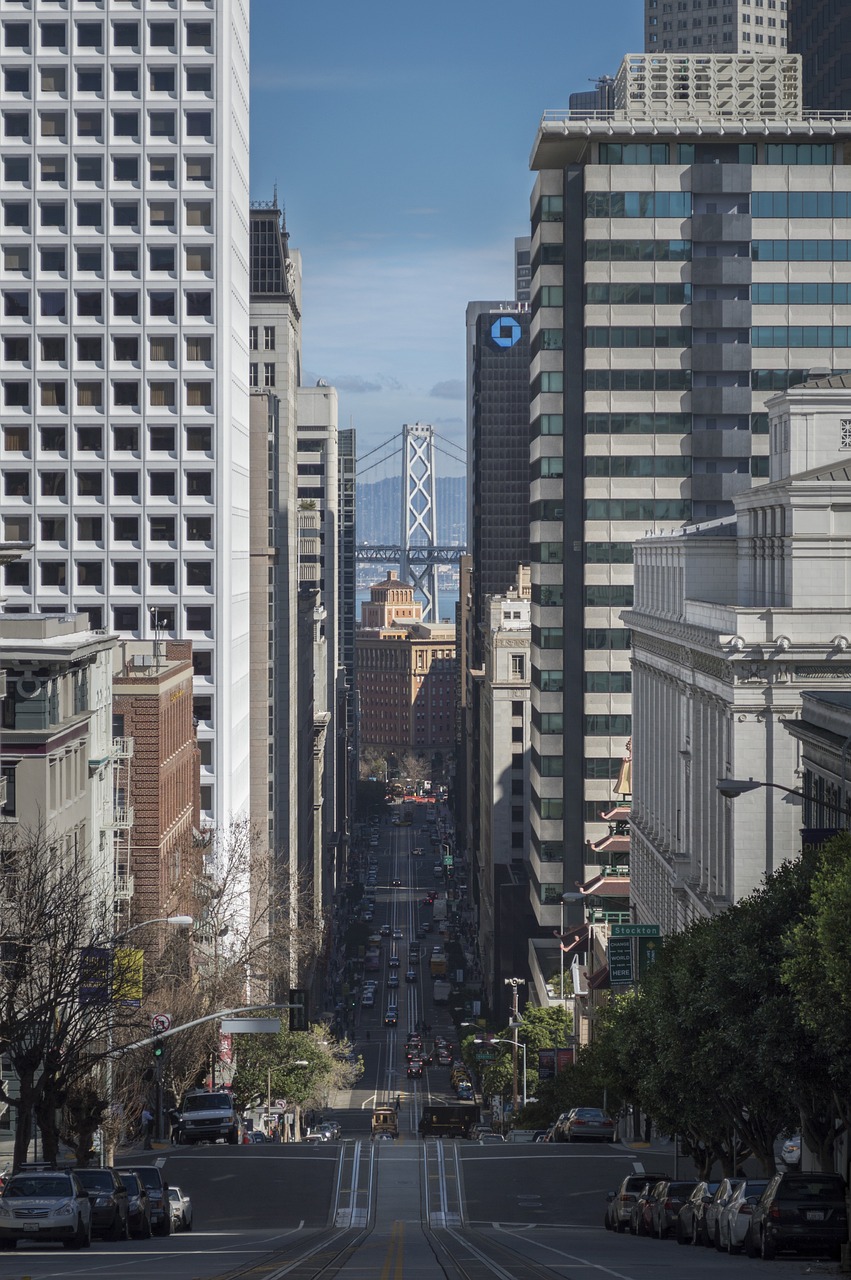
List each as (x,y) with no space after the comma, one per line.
(732,1248)
(607,1222)
(147,1230)
(717,1239)
(662,1231)
(117,1230)
(750,1248)
(187,1223)
(768,1249)
(8,1244)
(164,1229)
(87,1238)
(681,1235)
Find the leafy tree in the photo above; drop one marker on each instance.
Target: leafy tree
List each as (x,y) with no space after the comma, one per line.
(301,1066)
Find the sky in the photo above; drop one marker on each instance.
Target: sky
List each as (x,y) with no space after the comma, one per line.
(399,138)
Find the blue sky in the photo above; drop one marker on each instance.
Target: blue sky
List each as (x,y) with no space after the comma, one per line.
(399,136)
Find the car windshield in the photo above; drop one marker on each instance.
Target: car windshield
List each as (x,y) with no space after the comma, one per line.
(174,1193)
(131,1182)
(811,1188)
(149,1177)
(96,1179)
(680,1188)
(48,1187)
(208,1102)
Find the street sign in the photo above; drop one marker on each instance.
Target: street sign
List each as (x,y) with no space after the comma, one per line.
(620,960)
(244,1026)
(485,1055)
(648,953)
(634,931)
(160,1022)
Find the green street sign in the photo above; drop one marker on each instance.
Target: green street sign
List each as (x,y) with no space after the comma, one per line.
(648,953)
(485,1055)
(447,860)
(634,931)
(620,960)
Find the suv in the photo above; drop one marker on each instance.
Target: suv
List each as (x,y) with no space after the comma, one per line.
(799,1211)
(619,1203)
(208,1115)
(108,1194)
(138,1206)
(45,1204)
(152,1180)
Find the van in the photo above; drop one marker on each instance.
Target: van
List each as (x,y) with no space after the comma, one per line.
(207,1115)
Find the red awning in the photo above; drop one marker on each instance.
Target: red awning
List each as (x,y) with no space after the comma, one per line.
(618,813)
(611,844)
(607,887)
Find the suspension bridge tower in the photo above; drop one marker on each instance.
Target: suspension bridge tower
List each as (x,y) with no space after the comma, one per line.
(419,515)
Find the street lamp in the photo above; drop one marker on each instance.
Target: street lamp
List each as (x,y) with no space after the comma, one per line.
(732,788)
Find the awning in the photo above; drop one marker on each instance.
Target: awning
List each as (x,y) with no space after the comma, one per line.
(618,813)
(611,844)
(607,887)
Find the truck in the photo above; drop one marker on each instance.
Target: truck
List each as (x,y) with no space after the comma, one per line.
(385,1122)
(438,910)
(440,991)
(454,1120)
(437,965)
(207,1115)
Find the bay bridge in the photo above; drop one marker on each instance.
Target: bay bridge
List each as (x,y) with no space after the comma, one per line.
(418,552)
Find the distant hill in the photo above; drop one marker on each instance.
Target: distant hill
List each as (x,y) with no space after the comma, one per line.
(379,514)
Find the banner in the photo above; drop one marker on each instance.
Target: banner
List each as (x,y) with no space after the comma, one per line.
(95,966)
(127,973)
(547,1062)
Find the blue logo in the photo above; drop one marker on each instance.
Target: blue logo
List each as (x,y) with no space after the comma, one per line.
(506,332)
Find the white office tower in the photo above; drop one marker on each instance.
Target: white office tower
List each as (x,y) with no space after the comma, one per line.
(124,325)
(715,26)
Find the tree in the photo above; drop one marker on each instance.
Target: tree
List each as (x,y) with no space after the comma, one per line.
(301,1066)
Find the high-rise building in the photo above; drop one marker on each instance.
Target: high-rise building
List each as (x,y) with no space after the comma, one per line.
(687,257)
(124,403)
(596,101)
(733,26)
(274,339)
(820,31)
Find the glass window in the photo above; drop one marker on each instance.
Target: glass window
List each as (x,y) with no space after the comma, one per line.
(125,124)
(54,124)
(53,35)
(162,79)
(16,124)
(90,35)
(89,80)
(199,168)
(199,124)
(161,168)
(90,124)
(16,35)
(162,259)
(199,79)
(90,259)
(17,80)
(161,34)
(16,168)
(200,258)
(161,124)
(125,528)
(89,169)
(53,79)
(162,529)
(125,34)
(201,304)
(125,79)
(199,348)
(199,213)
(199,394)
(199,34)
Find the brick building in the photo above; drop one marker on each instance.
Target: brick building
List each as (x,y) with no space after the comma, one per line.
(152,704)
(406,673)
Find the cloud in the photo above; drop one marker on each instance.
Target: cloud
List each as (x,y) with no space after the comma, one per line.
(352,383)
(452,389)
(447,422)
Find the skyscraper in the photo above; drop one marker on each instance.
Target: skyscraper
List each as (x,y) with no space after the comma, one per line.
(820,31)
(686,256)
(124,414)
(715,26)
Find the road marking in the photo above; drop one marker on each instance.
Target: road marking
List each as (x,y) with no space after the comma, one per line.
(572,1257)
(482,1257)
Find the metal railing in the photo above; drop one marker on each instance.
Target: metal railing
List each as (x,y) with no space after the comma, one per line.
(622,116)
(123,887)
(122,816)
(122,748)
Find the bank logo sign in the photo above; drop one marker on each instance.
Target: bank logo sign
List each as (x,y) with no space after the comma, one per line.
(505,331)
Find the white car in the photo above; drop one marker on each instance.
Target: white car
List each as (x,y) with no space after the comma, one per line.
(181,1208)
(45,1204)
(790,1152)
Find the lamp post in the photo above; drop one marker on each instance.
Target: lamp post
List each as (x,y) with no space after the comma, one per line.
(732,788)
(521,1044)
(176,921)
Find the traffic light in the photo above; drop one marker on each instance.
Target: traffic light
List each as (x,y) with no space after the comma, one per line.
(298,1010)
(159,1050)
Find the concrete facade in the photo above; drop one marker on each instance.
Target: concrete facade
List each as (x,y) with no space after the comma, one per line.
(682,266)
(732,622)
(721,26)
(124,414)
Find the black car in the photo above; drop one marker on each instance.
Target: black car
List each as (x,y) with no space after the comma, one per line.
(799,1211)
(138,1207)
(157,1188)
(108,1196)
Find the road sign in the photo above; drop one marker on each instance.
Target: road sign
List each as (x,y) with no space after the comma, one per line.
(620,960)
(634,931)
(160,1022)
(242,1026)
(648,953)
(485,1055)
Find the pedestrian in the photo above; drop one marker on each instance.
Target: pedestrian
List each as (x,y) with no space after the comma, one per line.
(174,1121)
(398,1102)
(147,1127)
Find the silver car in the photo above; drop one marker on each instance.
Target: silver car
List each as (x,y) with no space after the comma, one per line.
(735,1217)
(47,1204)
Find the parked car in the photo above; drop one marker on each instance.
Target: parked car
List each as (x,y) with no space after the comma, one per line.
(157,1188)
(181,1208)
(639,1219)
(689,1224)
(664,1206)
(736,1215)
(711,1217)
(584,1123)
(332,1128)
(45,1204)
(619,1205)
(491,1139)
(799,1211)
(138,1205)
(108,1194)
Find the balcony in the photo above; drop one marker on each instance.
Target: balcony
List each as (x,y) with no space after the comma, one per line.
(123,887)
(122,816)
(122,748)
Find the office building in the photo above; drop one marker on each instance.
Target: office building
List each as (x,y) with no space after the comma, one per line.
(822,727)
(684,270)
(715,26)
(275,365)
(733,621)
(405,674)
(124,405)
(504,916)
(156,768)
(820,31)
(596,101)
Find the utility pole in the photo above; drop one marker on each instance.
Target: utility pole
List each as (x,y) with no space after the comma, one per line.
(515,984)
